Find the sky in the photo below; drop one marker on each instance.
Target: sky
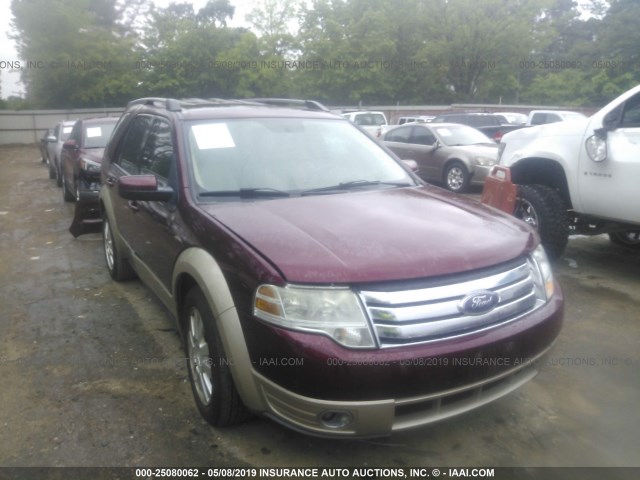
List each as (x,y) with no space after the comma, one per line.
(10,80)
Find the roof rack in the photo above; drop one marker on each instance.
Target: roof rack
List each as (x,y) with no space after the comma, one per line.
(309,104)
(175,105)
(170,104)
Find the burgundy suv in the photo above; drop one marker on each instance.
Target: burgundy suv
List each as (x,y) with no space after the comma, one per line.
(314,278)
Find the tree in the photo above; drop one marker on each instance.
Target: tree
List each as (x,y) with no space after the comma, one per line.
(78,54)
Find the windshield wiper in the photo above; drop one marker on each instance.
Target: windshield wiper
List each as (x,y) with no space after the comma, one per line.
(247,193)
(345,186)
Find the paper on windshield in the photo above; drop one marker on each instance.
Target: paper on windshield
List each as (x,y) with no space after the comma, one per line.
(213,135)
(94,132)
(445,132)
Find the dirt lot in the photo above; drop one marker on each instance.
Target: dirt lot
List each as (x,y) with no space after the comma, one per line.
(93,374)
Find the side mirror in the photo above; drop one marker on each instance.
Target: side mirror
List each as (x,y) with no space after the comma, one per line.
(51,139)
(70,145)
(412,164)
(143,188)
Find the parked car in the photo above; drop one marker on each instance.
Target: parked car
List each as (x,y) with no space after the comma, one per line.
(512,118)
(313,277)
(43,146)
(81,156)
(542,117)
(59,135)
(371,122)
(491,125)
(448,153)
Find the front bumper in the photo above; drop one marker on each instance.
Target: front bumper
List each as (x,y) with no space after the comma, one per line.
(479,173)
(383,417)
(87,217)
(378,393)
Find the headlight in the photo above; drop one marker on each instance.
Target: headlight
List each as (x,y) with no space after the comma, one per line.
(485,161)
(335,312)
(596,148)
(89,166)
(543,273)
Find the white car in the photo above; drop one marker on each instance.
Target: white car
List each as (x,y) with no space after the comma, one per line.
(371,122)
(59,134)
(541,117)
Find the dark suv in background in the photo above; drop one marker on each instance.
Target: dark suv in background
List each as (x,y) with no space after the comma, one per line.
(314,278)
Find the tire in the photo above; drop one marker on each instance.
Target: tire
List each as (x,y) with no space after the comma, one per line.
(52,171)
(66,194)
(629,239)
(456,177)
(543,208)
(58,174)
(118,267)
(212,385)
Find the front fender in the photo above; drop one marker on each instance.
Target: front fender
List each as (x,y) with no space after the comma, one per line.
(203,269)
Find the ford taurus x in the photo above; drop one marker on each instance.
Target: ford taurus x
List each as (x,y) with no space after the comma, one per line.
(314,278)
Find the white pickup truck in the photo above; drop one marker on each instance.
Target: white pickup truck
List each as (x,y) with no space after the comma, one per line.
(371,122)
(580,176)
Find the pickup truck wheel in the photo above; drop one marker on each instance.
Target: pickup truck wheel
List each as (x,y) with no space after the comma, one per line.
(118,267)
(456,177)
(543,208)
(52,171)
(211,382)
(629,239)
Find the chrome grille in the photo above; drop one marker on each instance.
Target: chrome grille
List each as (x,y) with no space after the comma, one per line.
(431,311)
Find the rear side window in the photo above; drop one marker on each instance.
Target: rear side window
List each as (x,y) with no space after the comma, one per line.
(422,136)
(400,135)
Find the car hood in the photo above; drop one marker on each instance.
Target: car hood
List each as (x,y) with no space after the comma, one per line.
(568,128)
(376,235)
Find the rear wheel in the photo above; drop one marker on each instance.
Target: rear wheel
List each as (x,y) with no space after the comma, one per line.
(118,267)
(211,382)
(456,177)
(543,208)
(629,239)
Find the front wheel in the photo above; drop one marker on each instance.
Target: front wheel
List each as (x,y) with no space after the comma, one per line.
(118,267)
(456,177)
(211,382)
(543,208)
(629,239)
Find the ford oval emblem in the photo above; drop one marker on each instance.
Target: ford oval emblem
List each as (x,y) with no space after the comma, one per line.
(480,302)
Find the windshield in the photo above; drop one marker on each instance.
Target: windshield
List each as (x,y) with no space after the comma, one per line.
(287,155)
(458,135)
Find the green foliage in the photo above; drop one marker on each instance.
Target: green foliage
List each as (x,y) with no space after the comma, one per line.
(105,52)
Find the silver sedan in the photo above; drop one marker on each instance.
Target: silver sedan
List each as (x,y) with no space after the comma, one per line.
(448,153)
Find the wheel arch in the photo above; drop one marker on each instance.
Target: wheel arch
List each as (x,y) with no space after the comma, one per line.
(542,171)
(197,268)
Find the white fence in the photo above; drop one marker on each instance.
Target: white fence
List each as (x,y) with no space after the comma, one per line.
(28,126)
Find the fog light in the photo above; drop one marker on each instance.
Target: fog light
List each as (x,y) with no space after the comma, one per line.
(335,418)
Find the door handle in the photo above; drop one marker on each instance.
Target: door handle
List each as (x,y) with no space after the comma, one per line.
(111,181)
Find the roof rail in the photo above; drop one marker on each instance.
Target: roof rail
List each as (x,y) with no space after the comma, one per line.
(170,104)
(309,104)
